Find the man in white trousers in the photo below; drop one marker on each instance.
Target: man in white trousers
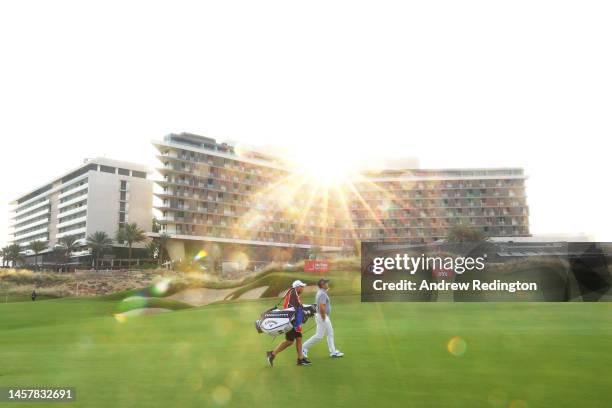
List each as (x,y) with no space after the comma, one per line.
(324,325)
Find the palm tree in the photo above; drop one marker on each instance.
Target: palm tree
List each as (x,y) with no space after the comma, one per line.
(99,242)
(162,241)
(14,254)
(69,244)
(37,247)
(155,225)
(153,249)
(130,234)
(465,233)
(4,253)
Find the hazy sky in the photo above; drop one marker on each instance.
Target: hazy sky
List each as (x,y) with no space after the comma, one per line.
(457,84)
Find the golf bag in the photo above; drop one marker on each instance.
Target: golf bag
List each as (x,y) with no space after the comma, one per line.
(279,321)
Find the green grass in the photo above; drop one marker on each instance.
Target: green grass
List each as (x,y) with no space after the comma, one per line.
(23,297)
(543,354)
(140,302)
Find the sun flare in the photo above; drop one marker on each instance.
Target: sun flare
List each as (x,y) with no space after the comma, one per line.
(325,167)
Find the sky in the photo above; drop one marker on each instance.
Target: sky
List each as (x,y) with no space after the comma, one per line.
(455,84)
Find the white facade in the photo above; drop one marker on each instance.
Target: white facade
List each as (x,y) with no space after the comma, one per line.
(100,195)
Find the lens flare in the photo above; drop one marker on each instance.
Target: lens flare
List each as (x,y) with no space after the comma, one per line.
(201,255)
(221,395)
(324,167)
(385,206)
(234,379)
(241,259)
(120,317)
(161,287)
(456,346)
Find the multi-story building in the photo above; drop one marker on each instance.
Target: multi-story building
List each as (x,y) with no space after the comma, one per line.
(421,205)
(99,195)
(214,193)
(217,195)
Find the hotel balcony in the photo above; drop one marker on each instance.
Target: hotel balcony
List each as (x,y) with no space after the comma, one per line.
(38,231)
(73,190)
(194,166)
(72,221)
(73,211)
(27,243)
(16,221)
(31,225)
(71,232)
(75,200)
(23,207)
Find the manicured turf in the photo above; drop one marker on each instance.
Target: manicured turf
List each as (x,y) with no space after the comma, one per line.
(536,355)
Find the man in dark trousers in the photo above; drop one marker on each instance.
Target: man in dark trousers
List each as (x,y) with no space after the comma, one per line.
(34,295)
(292,299)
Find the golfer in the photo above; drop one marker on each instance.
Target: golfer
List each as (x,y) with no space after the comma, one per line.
(324,325)
(292,299)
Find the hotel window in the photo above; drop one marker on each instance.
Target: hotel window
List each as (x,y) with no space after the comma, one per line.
(123,172)
(107,169)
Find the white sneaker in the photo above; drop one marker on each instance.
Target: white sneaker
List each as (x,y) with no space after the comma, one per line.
(336,354)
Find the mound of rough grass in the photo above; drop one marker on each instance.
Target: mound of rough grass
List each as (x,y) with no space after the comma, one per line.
(187,280)
(137,302)
(342,282)
(276,283)
(26,277)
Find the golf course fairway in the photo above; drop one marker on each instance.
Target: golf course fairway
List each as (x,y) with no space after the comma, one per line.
(405,354)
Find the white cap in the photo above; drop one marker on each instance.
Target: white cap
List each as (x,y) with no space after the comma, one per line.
(297,283)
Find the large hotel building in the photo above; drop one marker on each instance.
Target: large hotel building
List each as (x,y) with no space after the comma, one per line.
(218,196)
(99,195)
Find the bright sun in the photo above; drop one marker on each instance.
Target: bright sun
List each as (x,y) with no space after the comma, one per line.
(325,167)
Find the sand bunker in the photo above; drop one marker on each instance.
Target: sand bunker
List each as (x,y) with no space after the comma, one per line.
(253,293)
(201,296)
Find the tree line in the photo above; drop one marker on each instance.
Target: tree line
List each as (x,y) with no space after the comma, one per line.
(98,243)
